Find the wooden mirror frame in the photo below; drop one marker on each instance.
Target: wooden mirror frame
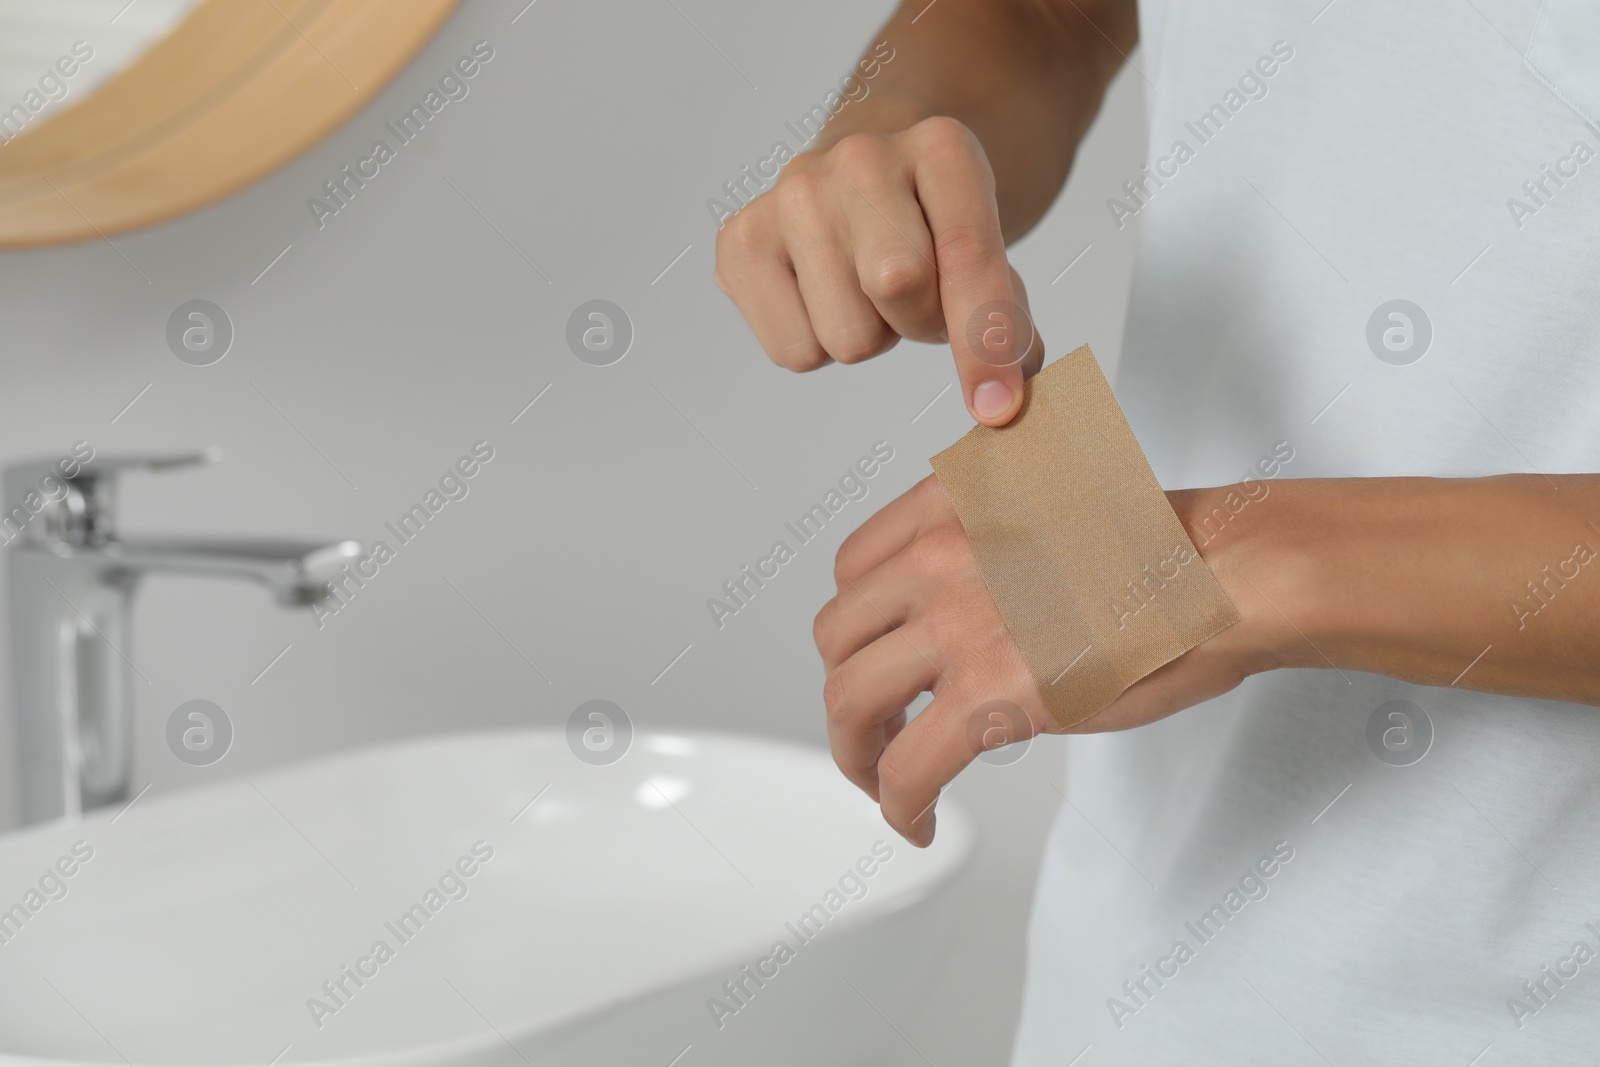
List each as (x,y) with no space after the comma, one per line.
(237,90)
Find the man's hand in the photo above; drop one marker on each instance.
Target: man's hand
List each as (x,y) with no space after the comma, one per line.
(894,224)
(1473,583)
(913,615)
(879,237)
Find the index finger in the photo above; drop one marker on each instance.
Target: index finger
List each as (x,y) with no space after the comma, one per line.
(989,332)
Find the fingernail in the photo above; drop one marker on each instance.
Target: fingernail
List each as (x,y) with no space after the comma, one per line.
(925,838)
(991,399)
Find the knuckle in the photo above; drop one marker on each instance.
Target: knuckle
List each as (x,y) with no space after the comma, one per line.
(836,699)
(933,549)
(951,542)
(799,195)
(842,570)
(822,628)
(898,280)
(891,772)
(860,152)
(857,344)
(845,569)
(947,141)
(944,131)
(966,250)
(798,356)
(740,239)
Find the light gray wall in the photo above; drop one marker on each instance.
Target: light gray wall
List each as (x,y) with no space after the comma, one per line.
(379,348)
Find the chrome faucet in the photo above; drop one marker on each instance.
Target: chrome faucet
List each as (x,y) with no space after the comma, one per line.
(71,579)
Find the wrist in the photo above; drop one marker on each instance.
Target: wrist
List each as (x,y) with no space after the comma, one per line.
(1252,537)
(1412,578)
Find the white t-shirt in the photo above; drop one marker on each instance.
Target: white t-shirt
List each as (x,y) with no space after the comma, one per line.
(1275,877)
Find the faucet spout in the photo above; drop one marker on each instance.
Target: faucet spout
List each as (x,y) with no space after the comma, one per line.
(297,573)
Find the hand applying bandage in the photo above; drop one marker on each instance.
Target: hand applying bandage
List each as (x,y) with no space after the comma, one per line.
(1042,567)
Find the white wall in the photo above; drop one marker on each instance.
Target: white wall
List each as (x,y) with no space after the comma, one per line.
(379,348)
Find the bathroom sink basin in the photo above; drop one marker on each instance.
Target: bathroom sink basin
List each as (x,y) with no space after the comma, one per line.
(479,899)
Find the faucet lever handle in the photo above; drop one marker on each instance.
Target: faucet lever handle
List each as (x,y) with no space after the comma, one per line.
(79,508)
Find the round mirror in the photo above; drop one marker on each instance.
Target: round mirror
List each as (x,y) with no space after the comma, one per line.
(116,114)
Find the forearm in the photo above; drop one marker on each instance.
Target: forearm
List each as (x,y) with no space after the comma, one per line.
(1026,76)
(1490,584)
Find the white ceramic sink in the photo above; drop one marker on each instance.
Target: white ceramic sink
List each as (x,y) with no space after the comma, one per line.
(610,913)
